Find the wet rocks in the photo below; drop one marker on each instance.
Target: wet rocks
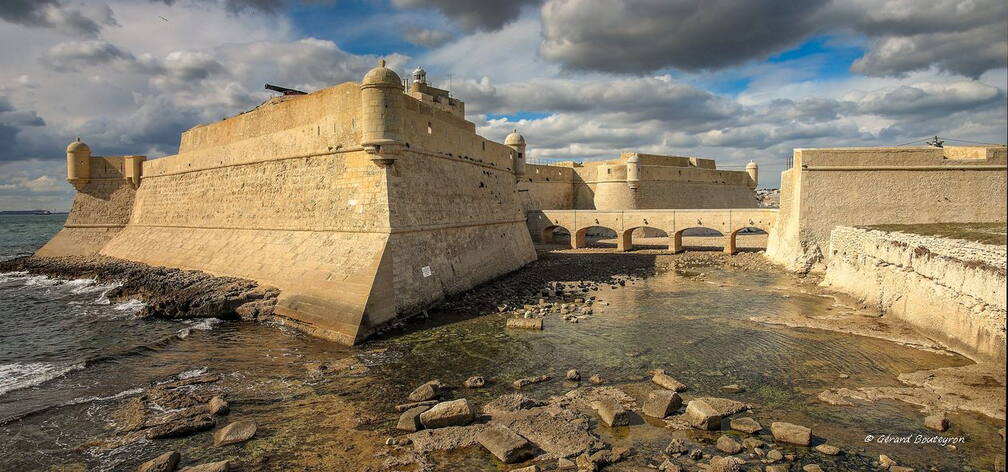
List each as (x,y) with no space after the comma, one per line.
(426,392)
(595,379)
(791,433)
(811,468)
(777,468)
(222,466)
(775,455)
(669,466)
(665,381)
(702,415)
(745,425)
(828,449)
(218,406)
(726,464)
(450,413)
(676,447)
(505,444)
(529,381)
(234,433)
(729,445)
(510,404)
(573,375)
(409,420)
(611,412)
(180,427)
(164,463)
(662,403)
(475,382)
(525,323)
(937,422)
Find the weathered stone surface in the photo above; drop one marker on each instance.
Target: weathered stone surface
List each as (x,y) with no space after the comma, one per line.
(611,412)
(702,415)
(777,468)
(661,403)
(529,381)
(828,449)
(409,420)
(164,463)
(239,431)
(726,464)
(525,323)
(426,392)
(669,466)
(900,468)
(564,463)
(791,433)
(450,413)
(511,403)
(218,406)
(665,381)
(812,468)
(746,425)
(505,444)
(774,455)
(936,422)
(573,375)
(475,382)
(531,468)
(181,427)
(676,447)
(729,445)
(752,443)
(886,461)
(222,466)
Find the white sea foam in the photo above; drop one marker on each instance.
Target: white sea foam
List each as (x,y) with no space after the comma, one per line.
(206,324)
(99,398)
(183,333)
(129,306)
(29,374)
(40,281)
(192,373)
(9,276)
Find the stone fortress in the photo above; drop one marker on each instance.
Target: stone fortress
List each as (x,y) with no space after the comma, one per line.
(366,202)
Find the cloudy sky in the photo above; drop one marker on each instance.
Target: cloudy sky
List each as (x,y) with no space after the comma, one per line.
(582,79)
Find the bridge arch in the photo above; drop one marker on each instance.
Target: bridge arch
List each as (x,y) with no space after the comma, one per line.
(676,243)
(624,240)
(730,241)
(548,234)
(580,238)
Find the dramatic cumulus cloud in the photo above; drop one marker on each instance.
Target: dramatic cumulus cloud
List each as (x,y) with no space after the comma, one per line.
(473,15)
(962,36)
(431,38)
(83,20)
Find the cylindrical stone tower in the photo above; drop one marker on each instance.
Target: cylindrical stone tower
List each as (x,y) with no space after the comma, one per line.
(753,170)
(516,142)
(78,163)
(633,172)
(381,114)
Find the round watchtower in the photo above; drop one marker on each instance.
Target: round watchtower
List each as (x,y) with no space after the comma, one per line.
(78,163)
(753,170)
(633,172)
(381,114)
(516,142)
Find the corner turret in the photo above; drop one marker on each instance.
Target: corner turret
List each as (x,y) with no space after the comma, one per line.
(78,163)
(633,172)
(381,120)
(516,142)
(753,170)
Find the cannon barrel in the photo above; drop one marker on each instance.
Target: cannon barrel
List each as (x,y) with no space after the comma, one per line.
(283,90)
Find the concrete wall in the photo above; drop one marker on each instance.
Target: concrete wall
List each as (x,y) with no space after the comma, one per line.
(952,291)
(866,186)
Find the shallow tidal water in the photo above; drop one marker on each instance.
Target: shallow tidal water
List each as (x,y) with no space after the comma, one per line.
(695,327)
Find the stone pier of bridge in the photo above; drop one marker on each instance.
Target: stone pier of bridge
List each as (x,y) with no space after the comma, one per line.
(542,223)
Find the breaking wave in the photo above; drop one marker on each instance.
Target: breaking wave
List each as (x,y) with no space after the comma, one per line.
(21,375)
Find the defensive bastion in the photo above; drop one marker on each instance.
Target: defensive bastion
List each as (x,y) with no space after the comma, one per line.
(359,202)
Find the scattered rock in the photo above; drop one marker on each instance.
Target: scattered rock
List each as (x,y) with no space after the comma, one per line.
(669,466)
(222,466)
(475,382)
(746,425)
(729,445)
(696,454)
(525,323)
(791,433)
(752,443)
(164,463)
(777,468)
(239,431)
(833,398)
(812,468)
(411,405)
(662,403)
(409,420)
(828,449)
(702,415)
(937,422)
(450,413)
(774,455)
(886,461)
(676,447)
(426,392)
(181,427)
(899,468)
(733,388)
(529,381)
(611,412)
(665,381)
(726,464)
(595,379)
(510,403)
(564,463)
(573,375)
(218,406)
(531,468)
(505,444)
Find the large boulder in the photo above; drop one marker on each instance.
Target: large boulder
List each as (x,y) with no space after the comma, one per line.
(505,444)
(937,422)
(611,412)
(164,463)
(239,431)
(450,413)
(218,406)
(425,392)
(729,445)
(409,420)
(746,425)
(791,433)
(662,403)
(180,427)
(701,415)
(666,381)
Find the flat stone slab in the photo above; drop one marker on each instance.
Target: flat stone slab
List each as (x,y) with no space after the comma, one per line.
(666,381)
(409,420)
(746,425)
(164,463)
(611,412)
(505,444)
(525,323)
(701,415)
(181,427)
(239,431)
(426,392)
(791,433)
(662,403)
(729,445)
(529,381)
(450,413)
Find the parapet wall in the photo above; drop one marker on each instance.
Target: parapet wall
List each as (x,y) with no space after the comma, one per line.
(868,186)
(951,290)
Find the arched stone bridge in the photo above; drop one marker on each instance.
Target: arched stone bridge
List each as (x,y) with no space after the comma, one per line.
(729,222)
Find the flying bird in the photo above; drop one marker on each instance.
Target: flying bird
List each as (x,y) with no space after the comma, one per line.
(163,18)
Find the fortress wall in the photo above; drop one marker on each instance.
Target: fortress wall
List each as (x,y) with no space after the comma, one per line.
(666,194)
(546,187)
(100,210)
(867,186)
(951,290)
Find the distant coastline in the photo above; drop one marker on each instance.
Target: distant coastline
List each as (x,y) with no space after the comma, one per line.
(31,212)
